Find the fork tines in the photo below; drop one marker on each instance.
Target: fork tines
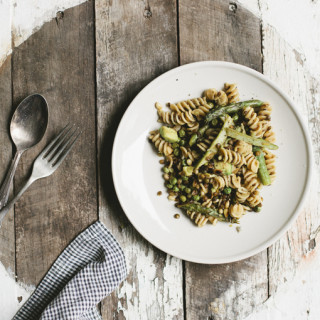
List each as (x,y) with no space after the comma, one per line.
(58,148)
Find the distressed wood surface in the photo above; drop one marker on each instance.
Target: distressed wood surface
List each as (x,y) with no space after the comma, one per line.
(136,41)
(299,246)
(123,45)
(7,238)
(58,62)
(216,30)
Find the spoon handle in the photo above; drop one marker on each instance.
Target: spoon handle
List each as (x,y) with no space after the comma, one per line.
(7,208)
(5,188)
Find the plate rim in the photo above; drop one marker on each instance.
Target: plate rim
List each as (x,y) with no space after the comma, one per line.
(304,194)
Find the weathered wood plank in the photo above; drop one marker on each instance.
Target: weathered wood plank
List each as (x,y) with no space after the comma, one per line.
(7,238)
(298,247)
(136,41)
(57,61)
(219,30)
(216,30)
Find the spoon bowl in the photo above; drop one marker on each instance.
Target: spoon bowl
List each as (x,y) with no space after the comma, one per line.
(29,122)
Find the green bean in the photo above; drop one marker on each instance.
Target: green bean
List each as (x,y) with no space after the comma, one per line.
(175,189)
(231,108)
(182,142)
(249,139)
(263,173)
(202,130)
(213,149)
(185,178)
(193,139)
(182,187)
(169,186)
(203,210)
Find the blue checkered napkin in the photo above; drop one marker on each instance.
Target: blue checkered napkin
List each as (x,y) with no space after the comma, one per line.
(89,269)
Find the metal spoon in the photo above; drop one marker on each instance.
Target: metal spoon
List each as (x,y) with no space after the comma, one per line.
(28,125)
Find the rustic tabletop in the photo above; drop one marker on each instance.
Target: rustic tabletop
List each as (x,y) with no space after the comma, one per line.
(90,60)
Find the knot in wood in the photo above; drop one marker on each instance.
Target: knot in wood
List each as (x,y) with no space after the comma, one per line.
(147,13)
(233,7)
(59,15)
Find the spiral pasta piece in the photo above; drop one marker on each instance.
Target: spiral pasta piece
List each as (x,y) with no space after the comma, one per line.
(210,94)
(187,153)
(163,146)
(269,135)
(218,182)
(204,145)
(252,162)
(199,219)
(251,181)
(256,127)
(232,181)
(254,199)
(201,111)
(207,203)
(242,194)
(232,92)
(236,211)
(193,127)
(265,112)
(169,161)
(270,159)
(221,98)
(231,157)
(188,105)
(174,118)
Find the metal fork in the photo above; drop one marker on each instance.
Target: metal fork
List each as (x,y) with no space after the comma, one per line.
(47,161)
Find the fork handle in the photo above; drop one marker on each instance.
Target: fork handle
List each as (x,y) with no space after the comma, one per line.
(5,188)
(7,208)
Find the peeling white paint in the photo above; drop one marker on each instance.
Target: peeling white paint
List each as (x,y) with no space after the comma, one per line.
(11,293)
(295,300)
(30,15)
(145,300)
(298,22)
(5,30)
(19,19)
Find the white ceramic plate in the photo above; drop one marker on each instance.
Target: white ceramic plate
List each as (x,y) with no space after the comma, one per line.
(137,172)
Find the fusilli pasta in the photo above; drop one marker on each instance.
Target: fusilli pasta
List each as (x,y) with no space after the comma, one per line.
(227,183)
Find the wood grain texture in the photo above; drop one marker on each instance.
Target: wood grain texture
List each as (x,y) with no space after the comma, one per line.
(7,238)
(214,30)
(219,30)
(136,41)
(58,62)
(299,247)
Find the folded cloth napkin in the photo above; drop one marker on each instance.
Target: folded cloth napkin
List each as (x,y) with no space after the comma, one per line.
(89,269)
